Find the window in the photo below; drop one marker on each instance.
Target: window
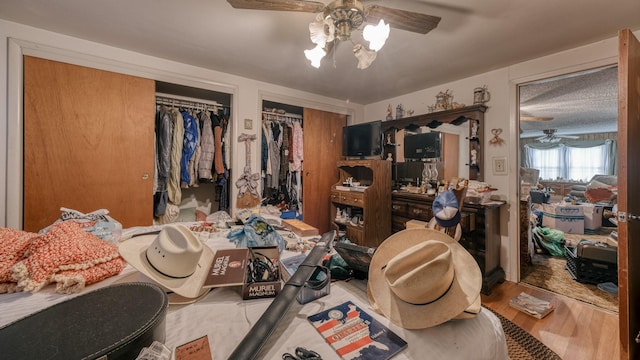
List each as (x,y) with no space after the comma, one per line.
(572,161)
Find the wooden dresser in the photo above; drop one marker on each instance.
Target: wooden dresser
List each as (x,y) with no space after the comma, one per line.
(480,230)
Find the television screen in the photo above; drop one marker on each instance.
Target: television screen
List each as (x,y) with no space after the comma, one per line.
(422,146)
(362,140)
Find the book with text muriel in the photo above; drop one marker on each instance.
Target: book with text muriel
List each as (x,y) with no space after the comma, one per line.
(355,335)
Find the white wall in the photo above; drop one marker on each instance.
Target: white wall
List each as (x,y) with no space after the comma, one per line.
(24,40)
(502,114)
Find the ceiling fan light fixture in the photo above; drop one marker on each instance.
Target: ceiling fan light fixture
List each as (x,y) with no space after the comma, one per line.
(376,35)
(321,31)
(365,57)
(315,55)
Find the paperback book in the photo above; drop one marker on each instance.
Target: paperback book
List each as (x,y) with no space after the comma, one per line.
(354,334)
(228,268)
(531,305)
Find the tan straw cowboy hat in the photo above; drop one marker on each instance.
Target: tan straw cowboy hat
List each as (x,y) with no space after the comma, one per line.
(420,278)
(175,258)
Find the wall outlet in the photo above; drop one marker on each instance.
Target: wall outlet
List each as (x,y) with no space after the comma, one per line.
(500,165)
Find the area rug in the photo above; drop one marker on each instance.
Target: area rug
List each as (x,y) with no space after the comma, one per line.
(549,273)
(522,345)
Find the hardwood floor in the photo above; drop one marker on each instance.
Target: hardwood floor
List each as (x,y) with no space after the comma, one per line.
(574,330)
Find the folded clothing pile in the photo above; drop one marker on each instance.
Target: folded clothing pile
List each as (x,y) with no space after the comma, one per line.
(66,255)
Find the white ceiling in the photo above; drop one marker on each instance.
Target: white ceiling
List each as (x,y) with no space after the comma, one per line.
(579,103)
(473,37)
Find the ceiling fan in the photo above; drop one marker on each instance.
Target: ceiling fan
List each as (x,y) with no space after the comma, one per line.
(525,116)
(336,21)
(551,137)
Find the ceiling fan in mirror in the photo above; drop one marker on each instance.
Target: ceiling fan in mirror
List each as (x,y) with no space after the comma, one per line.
(335,22)
(551,137)
(525,116)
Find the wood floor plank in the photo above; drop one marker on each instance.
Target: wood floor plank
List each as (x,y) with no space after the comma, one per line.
(574,330)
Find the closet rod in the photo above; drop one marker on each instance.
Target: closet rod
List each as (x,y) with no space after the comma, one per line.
(285,115)
(170,99)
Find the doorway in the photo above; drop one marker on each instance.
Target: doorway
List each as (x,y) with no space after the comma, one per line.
(568,132)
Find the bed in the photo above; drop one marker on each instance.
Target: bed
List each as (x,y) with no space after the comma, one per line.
(225,318)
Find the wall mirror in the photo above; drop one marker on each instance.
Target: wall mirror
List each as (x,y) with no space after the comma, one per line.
(450,160)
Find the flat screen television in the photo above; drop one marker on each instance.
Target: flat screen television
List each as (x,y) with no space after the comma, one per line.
(423,146)
(362,140)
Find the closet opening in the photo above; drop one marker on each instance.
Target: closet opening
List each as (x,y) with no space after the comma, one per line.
(281,157)
(196,123)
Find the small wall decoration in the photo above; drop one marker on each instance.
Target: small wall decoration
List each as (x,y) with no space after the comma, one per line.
(496,139)
(247,184)
(248,124)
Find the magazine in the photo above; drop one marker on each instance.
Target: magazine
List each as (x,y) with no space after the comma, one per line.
(354,334)
(531,305)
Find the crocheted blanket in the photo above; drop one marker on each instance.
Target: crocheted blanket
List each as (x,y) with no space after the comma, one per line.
(65,255)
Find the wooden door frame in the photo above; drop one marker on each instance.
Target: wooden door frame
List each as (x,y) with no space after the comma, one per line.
(628,128)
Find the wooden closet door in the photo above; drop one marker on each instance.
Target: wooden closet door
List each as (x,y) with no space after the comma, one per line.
(322,149)
(88,143)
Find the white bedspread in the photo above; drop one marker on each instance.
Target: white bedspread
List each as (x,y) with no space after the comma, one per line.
(225,318)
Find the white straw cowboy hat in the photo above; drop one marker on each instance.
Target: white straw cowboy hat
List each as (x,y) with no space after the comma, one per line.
(175,258)
(419,278)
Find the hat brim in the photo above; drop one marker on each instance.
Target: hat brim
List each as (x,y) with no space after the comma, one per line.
(133,251)
(463,292)
(433,224)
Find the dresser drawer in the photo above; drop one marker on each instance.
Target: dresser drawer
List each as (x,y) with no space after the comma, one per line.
(350,198)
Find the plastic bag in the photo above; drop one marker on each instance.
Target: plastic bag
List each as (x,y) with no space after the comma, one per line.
(98,222)
(550,241)
(256,232)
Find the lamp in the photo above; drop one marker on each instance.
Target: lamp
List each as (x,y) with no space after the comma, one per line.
(336,23)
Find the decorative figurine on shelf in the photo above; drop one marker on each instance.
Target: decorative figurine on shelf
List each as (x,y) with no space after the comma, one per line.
(399,111)
(443,101)
(475,126)
(389,115)
(410,112)
(389,157)
(474,157)
(481,95)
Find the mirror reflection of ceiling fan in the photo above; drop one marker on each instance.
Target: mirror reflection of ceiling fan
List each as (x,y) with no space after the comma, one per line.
(551,137)
(524,116)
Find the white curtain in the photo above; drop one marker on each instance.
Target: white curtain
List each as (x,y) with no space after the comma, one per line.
(578,160)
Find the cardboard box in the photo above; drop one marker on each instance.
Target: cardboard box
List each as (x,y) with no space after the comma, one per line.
(300,228)
(256,269)
(564,217)
(256,258)
(592,218)
(412,224)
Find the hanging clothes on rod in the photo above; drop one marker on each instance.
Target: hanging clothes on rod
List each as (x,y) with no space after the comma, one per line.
(190,150)
(282,159)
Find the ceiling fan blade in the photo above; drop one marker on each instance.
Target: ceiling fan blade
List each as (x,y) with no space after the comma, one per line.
(279,5)
(402,19)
